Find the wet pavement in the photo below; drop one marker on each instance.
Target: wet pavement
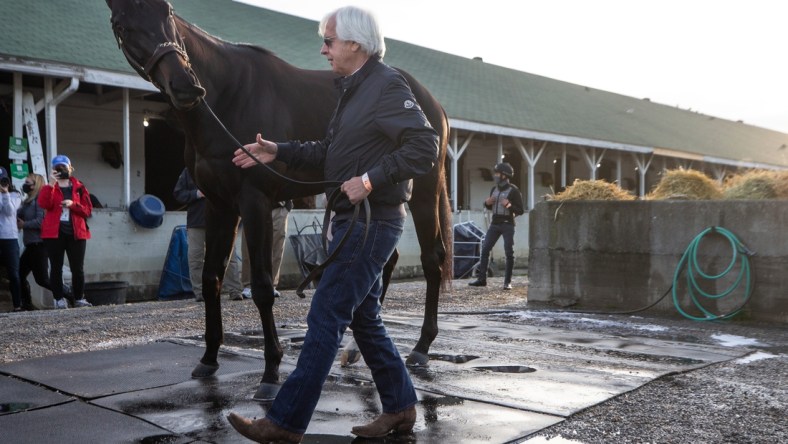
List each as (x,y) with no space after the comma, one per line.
(493,378)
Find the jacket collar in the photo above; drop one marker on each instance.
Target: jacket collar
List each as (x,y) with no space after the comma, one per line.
(353,80)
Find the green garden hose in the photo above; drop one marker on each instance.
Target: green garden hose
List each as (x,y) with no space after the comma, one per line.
(688,265)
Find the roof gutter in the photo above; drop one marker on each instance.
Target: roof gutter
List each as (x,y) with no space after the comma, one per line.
(549,137)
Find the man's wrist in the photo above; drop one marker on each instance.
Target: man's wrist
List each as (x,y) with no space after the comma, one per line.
(367,183)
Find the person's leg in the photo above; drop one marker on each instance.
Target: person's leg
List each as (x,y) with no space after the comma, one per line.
(9,252)
(25,266)
(232,277)
(493,233)
(508,247)
(344,285)
(39,264)
(388,370)
(75,249)
(196,251)
(246,274)
(279,216)
(56,252)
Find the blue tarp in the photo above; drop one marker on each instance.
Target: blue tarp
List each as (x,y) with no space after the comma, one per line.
(175,282)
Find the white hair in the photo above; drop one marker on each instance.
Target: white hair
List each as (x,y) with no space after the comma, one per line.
(357,25)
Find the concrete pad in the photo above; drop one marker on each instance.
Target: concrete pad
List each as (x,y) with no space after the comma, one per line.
(17,396)
(78,422)
(198,410)
(106,372)
(489,380)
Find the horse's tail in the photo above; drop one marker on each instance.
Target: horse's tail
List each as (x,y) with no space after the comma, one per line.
(444,210)
(447,236)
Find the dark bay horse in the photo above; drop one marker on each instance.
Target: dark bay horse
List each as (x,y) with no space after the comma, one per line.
(251,90)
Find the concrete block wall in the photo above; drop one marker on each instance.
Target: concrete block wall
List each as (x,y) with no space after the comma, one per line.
(623,255)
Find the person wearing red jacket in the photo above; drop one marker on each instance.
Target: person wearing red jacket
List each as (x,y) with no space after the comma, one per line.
(67,205)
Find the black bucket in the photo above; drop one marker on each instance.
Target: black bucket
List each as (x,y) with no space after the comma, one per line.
(106,292)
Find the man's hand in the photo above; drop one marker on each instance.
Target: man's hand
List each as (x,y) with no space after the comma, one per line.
(355,190)
(262,150)
(505,202)
(20,223)
(489,201)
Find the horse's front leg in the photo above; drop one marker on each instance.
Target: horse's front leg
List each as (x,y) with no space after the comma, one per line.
(258,231)
(221,226)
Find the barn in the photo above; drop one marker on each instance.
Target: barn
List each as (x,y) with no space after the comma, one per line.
(66,88)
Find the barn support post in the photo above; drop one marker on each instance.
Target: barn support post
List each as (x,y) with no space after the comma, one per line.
(643,165)
(126,150)
(455,152)
(531,156)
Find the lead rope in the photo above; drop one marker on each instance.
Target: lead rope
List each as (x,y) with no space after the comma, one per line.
(315,272)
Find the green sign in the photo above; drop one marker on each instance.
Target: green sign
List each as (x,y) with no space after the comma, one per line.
(17,148)
(19,171)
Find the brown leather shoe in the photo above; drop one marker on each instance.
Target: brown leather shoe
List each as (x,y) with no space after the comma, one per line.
(262,430)
(386,423)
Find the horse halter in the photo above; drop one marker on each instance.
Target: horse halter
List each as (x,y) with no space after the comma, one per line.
(161,50)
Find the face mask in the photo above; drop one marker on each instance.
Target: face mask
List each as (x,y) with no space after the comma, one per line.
(501,181)
(63,174)
(27,188)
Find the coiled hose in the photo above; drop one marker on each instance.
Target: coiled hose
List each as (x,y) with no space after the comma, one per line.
(689,266)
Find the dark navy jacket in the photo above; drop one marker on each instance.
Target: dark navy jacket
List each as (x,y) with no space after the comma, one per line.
(377,128)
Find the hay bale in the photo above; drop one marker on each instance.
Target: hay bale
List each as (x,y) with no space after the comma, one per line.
(685,184)
(593,190)
(781,184)
(752,185)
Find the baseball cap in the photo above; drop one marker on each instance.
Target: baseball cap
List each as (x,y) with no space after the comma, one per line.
(61,159)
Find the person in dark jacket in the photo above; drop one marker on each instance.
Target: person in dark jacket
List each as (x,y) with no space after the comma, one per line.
(506,203)
(187,193)
(34,259)
(377,141)
(67,204)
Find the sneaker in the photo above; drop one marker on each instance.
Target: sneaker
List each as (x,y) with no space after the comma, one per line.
(507,286)
(478,283)
(61,303)
(82,303)
(247,293)
(236,297)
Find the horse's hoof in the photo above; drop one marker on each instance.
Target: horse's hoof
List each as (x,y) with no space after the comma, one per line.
(417,359)
(266,392)
(204,370)
(349,357)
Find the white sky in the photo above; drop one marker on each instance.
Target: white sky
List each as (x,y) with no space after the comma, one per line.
(727,58)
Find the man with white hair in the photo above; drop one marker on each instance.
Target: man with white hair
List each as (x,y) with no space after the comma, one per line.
(377,141)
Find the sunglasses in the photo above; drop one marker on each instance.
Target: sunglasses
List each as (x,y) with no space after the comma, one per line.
(329,40)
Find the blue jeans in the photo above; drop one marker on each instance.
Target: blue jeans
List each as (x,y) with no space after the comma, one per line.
(348,295)
(9,256)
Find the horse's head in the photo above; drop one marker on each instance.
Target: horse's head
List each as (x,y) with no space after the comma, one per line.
(148,36)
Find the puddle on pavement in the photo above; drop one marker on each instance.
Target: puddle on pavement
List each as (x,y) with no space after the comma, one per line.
(11,407)
(506,368)
(160,439)
(455,359)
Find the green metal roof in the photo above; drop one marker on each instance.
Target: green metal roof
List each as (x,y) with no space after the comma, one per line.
(77,32)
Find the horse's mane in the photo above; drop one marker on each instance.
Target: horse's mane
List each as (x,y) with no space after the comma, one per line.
(218,40)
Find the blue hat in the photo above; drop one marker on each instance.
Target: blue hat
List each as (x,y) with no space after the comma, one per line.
(3,173)
(61,159)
